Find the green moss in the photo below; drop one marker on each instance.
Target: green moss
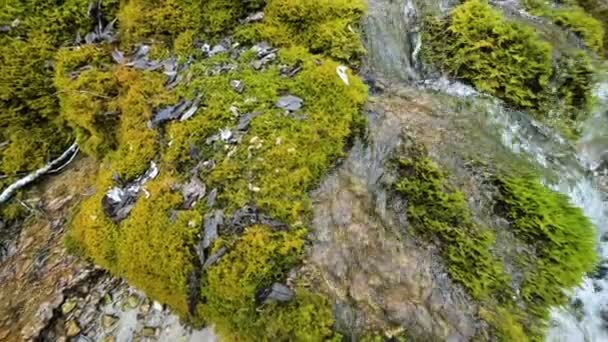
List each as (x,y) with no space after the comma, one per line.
(508,59)
(27,96)
(159,20)
(563,238)
(92,229)
(498,56)
(575,18)
(598,9)
(326,26)
(86,98)
(441,213)
(155,250)
(259,258)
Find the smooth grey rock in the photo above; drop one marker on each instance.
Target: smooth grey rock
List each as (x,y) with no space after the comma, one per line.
(211,227)
(246,119)
(212,198)
(277,292)
(290,103)
(118,56)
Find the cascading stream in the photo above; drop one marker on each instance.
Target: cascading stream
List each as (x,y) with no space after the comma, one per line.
(392,32)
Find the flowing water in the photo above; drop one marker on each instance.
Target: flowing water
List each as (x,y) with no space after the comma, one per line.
(393,38)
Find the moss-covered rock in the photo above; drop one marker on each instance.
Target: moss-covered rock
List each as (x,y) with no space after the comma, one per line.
(563,238)
(28,105)
(508,59)
(555,244)
(574,18)
(327,26)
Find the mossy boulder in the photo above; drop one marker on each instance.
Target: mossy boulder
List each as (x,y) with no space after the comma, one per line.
(555,243)
(510,60)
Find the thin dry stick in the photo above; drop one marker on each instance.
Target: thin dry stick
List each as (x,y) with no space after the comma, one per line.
(10,191)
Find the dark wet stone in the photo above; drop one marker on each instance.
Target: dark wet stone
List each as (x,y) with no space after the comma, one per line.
(604,237)
(601,271)
(118,204)
(260,63)
(246,119)
(213,259)
(604,314)
(211,227)
(290,103)
(277,292)
(291,71)
(249,216)
(5,29)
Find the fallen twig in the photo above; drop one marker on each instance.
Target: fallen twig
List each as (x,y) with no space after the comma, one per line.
(10,191)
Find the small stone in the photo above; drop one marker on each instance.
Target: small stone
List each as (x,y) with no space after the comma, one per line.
(604,237)
(69,306)
(290,103)
(604,314)
(144,308)
(133,301)
(157,306)
(107,299)
(108,321)
(238,86)
(148,332)
(72,329)
(254,17)
(277,292)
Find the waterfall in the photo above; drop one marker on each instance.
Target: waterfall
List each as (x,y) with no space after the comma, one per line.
(392,33)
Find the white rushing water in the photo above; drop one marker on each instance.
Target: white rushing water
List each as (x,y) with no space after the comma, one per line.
(522,135)
(571,169)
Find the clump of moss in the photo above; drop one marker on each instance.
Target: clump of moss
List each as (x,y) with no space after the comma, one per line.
(599,10)
(158,21)
(327,26)
(563,238)
(256,260)
(510,60)
(498,56)
(27,95)
(86,88)
(441,213)
(575,18)
(154,250)
(556,244)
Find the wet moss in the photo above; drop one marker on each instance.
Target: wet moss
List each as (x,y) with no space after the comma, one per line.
(498,56)
(327,26)
(27,95)
(158,21)
(154,248)
(441,213)
(510,60)
(564,240)
(574,18)
(256,260)
(555,243)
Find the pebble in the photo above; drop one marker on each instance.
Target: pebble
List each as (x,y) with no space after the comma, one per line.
(108,321)
(72,329)
(133,301)
(157,306)
(69,306)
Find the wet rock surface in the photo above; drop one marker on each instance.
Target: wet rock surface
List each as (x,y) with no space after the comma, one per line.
(383,275)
